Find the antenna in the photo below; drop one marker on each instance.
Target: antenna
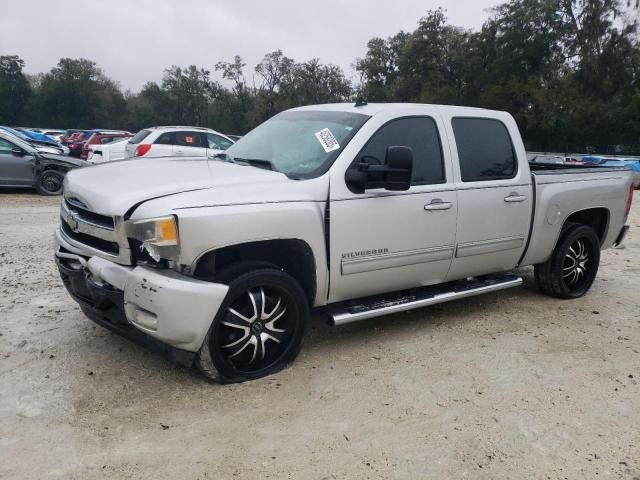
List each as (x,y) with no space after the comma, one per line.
(361,102)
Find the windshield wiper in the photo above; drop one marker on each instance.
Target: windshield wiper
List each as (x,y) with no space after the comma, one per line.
(256,162)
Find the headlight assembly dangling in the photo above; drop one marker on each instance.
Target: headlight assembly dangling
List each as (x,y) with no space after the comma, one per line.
(158,236)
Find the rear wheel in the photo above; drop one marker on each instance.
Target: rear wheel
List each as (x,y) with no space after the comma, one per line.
(573,265)
(259,328)
(49,182)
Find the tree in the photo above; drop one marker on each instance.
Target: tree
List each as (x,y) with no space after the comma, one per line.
(273,69)
(15,91)
(189,92)
(76,93)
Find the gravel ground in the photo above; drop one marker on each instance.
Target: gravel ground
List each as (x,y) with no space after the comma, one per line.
(507,385)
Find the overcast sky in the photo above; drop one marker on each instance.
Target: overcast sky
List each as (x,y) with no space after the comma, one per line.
(134,41)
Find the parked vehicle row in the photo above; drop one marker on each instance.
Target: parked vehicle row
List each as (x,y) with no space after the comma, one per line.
(79,141)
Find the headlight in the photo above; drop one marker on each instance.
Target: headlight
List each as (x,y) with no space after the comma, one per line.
(157,236)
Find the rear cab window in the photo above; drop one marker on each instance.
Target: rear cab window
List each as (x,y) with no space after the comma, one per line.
(140,136)
(485,149)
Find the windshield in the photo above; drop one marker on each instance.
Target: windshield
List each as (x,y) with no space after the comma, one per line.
(298,144)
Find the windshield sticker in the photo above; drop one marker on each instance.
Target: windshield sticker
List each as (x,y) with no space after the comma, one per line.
(327,140)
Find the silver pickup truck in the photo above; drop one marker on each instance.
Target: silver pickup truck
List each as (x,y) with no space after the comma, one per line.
(353,211)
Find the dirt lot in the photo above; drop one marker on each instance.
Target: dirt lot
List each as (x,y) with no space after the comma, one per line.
(509,385)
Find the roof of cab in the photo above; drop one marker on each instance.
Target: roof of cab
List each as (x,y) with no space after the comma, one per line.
(375,108)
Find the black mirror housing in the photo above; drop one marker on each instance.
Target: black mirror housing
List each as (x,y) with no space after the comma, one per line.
(399,163)
(394,175)
(18,151)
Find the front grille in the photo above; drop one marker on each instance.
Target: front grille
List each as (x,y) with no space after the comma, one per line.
(106,246)
(76,206)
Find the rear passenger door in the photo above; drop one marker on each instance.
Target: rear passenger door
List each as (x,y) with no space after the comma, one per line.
(494,197)
(190,144)
(163,145)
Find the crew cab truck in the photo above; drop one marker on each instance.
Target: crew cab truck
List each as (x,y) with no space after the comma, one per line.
(355,211)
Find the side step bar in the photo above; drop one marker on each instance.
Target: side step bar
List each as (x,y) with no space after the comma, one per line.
(348,312)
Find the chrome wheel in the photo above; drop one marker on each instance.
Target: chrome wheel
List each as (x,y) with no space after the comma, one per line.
(576,264)
(255,329)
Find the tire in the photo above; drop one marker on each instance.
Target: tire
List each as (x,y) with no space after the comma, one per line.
(244,341)
(49,182)
(573,265)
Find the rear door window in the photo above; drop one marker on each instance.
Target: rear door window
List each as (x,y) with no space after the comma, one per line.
(190,139)
(166,138)
(6,146)
(485,149)
(138,137)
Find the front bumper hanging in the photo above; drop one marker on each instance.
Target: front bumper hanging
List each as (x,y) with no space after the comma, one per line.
(161,309)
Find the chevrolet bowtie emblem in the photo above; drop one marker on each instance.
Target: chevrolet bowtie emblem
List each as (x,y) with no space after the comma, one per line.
(72,221)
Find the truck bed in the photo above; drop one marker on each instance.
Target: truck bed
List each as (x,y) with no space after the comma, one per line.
(560,189)
(550,168)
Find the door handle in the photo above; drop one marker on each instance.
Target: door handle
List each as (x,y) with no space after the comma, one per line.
(515,198)
(438,204)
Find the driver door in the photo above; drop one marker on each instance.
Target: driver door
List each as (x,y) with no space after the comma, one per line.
(383,241)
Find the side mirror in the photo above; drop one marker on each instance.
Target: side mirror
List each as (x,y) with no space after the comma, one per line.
(399,168)
(394,175)
(18,152)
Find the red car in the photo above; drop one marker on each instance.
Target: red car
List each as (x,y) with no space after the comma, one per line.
(101,138)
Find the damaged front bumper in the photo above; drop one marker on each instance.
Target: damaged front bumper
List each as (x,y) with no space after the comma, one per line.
(166,311)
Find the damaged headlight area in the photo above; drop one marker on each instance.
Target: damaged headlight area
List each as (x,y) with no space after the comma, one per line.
(155,241)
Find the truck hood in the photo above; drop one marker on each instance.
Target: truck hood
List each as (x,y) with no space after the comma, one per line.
(114,188)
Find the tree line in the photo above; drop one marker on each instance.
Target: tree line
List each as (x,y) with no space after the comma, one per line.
(568,70)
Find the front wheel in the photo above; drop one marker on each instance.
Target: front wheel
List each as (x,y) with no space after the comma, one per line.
(259,328)
(573,265)
(49,182)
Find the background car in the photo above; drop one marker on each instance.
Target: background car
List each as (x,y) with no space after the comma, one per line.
(632,163)
(43,147)
(23,166)
(69,134)
(108,152)
(53,133)
(38,136)
(178,141)
(101,139)
(548,159)
(77,140)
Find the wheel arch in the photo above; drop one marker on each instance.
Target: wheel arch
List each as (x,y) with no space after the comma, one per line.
(294,256)
(596,218)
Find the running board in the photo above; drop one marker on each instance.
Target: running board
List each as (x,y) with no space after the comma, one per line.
(348,312)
